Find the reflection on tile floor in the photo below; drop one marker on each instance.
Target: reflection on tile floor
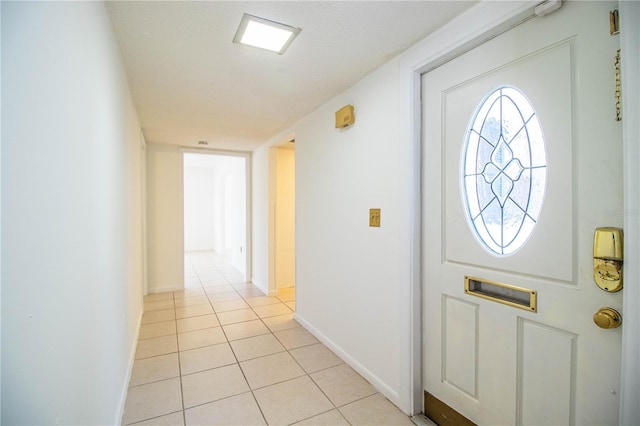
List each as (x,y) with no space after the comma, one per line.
(220,352)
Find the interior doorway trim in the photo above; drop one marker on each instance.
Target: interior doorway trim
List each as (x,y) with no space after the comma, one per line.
(248,198)
(479,24)
(144,273)
(272,228)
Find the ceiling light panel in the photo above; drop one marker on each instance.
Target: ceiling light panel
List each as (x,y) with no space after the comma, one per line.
(265,34)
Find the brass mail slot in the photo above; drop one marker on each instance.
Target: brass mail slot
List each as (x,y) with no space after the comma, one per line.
(511,295)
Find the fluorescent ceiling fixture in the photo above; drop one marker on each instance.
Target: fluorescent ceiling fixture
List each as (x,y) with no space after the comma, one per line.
(269,35)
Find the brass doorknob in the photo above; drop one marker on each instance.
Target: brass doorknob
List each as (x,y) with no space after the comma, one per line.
(607,318)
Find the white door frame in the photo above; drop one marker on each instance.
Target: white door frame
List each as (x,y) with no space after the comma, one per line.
(630,51)
(272,288)
(143,215)
(248,206)
(479,24)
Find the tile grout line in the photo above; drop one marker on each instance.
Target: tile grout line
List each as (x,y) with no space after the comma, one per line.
(237,362)
(288,351)
(244,299)
(324,412)
(243,296)
(240,367)
(308,374)
(335,407)
(316,385)
(228,342)
(184,409)
(175,316)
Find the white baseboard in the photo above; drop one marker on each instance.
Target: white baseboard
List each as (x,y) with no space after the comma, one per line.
(165,289)
(127,379)
(389,393)
(263,288)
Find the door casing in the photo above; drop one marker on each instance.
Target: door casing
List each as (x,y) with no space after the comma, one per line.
(248,207)
(272,285)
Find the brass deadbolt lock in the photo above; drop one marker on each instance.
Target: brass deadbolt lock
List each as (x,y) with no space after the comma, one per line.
(607,318)
(607,259)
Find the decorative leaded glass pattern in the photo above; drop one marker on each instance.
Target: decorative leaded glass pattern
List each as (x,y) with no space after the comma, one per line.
(504,171)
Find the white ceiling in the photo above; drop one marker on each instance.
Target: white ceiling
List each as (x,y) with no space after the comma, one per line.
(191,83)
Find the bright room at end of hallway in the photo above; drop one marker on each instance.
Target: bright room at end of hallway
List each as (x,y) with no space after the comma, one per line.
(215,210)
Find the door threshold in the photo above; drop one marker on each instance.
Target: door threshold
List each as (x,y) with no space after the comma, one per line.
(422,420)
(440,413)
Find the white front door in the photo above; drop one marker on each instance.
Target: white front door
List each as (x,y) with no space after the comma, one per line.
(512,193)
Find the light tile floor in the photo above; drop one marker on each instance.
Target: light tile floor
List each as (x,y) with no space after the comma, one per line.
(220,352)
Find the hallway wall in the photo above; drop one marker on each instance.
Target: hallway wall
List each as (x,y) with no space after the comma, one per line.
(199,209)
(164,218)
(165,239)
(347,272)
(231,202)
(71,216)
(260,218)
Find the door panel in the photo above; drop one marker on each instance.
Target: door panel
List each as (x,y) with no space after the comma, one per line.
(494,363)
(545,355)
(551,240)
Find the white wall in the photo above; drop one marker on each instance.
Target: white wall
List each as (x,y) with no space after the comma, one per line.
(165,241)
(232,175)
(71,213)
(230,183)
(260,218)
(199,208)
(348,275)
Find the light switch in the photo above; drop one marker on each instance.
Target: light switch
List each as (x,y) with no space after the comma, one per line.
(374,217)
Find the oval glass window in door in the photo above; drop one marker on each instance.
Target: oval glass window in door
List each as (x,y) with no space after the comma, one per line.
(503,171)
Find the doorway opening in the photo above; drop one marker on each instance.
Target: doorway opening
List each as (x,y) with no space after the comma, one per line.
(282,220)
(215,218)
